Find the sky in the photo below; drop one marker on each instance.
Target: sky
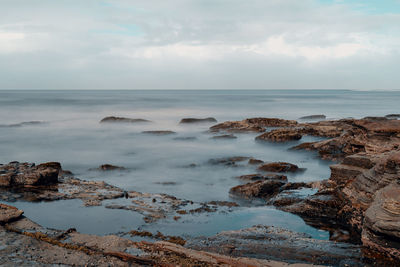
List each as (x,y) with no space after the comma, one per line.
(200,44)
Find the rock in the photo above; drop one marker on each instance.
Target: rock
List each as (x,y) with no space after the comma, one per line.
(278,167)
(26,123)
(195,120)
(255,161)
(27,174)
(159,132)
(251,125)
(392,116)
(313,117)
(185,138)
(259,189)
(225,136)
(109,167)
(280,135)
(257,177)
(294,186)
(9,213)
(230,161)
(121,120)
(381,229)
(268,242)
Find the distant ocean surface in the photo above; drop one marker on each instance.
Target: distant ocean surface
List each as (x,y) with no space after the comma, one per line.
(71,134)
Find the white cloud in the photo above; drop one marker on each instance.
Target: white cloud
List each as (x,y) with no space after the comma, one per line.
(228,43)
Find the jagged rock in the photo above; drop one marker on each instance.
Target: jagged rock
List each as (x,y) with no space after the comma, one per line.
(381,229)
(252,125)
(259,189)
(278,167)
(27,174)
(313,117)
(280,135)
(122,120)
(196,120)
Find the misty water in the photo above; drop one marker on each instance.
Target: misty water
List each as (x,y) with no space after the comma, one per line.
(71,134)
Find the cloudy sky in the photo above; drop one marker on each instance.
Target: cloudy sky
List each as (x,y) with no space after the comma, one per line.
(196,44)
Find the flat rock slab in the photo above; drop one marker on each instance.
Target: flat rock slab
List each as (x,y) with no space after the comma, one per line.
(197,120)
(9,213)
(112,119)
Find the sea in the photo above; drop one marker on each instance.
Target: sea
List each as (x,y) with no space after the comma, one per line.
(69,132)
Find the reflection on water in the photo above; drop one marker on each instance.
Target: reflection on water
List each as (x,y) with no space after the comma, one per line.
(167,164)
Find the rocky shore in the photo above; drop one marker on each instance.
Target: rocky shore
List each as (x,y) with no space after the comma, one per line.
(359,204)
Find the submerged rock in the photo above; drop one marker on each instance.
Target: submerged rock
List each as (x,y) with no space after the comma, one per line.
(255,161)
(109,167)
(121,120)
(278,167)
(27,174)
(313,117)
(25,123)
(229,161)
(159,132)
(225,136)
(196,120)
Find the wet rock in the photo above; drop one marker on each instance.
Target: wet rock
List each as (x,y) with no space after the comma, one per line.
(274,243)
(251,125)
(188,138)
(313,117)
(159,132)
(27,174)
(258,189)
(278,167)
(255,161)
(225,136)
(9,213)
(196,120)
(257,177)
(392,116)
(26,123)
(280,135)
(229,204)
(294,186)
(109,167)
(113,119)
(230,161)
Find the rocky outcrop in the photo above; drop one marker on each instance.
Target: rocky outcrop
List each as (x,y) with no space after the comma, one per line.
(274,243)
(229,161)
(259,189)
(252,125)
(280,135)
(278,167)
(113,119)
(28,174)
(196,120)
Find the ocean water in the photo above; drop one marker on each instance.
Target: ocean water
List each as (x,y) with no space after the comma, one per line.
(71,134)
